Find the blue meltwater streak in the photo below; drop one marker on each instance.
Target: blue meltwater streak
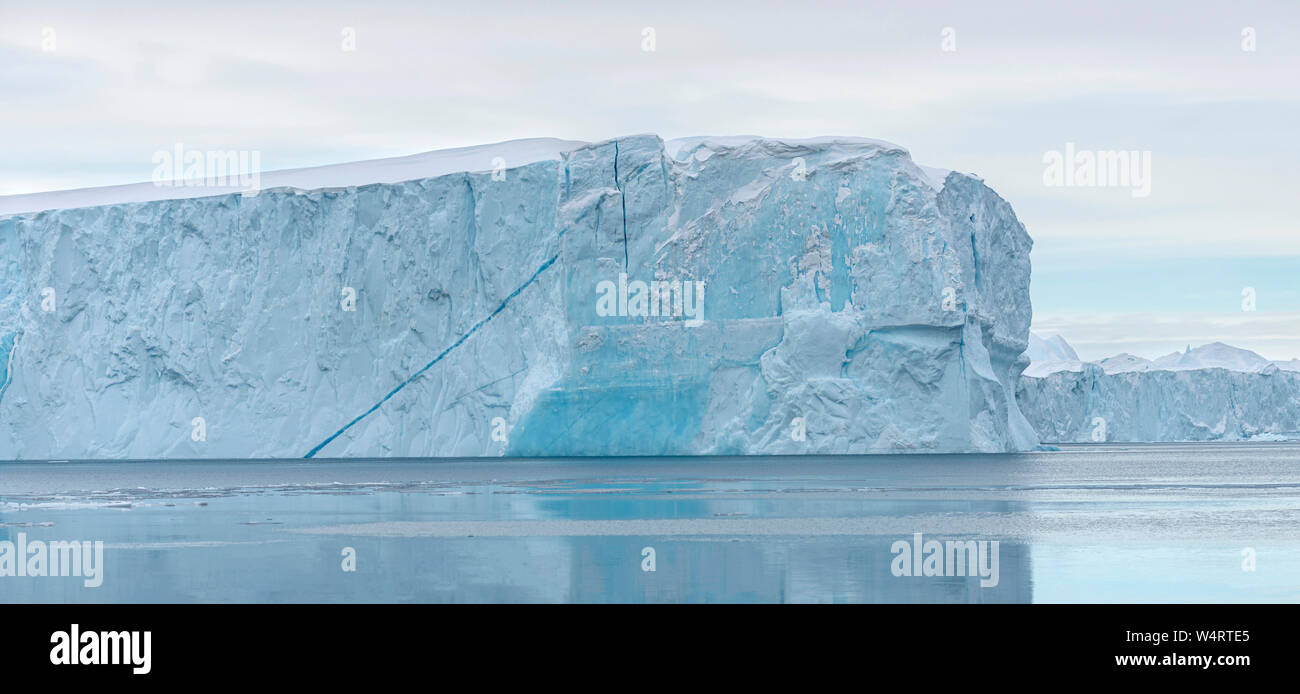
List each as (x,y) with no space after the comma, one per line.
(438,358)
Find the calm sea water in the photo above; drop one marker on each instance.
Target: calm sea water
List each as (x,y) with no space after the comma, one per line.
(1112,523)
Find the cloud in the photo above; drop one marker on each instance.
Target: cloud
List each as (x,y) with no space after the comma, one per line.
(131,78)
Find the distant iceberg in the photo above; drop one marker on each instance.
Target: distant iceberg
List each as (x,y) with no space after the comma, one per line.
(1213,392)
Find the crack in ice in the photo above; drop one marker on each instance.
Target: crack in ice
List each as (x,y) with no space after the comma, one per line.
(436,359)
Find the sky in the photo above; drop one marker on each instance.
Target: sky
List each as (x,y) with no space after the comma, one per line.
(1209,91)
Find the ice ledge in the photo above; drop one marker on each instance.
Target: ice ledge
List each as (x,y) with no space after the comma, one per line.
(479,158)
(513,153)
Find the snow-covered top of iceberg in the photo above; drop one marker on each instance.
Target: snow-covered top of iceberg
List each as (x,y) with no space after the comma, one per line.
(513,153)
(1055,354)
(676,146)
(1215,355)
(391,170)
(702,147)
(1124,362)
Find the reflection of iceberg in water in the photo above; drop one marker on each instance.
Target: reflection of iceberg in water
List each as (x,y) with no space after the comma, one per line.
(246,548)
(1108,522)
(781,566)
(819,569)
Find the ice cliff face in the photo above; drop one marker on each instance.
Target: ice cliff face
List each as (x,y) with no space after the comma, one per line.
(631,297)
(1210,393)
(1163,405)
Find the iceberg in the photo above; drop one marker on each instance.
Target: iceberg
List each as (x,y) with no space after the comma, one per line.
(738,295)
(1054,348)
(1214,392)
(1050,355)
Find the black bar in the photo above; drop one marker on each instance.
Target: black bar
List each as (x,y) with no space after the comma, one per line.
(944,645)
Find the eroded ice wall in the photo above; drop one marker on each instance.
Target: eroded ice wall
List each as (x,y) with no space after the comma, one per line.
(1158,405)
(853,303)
